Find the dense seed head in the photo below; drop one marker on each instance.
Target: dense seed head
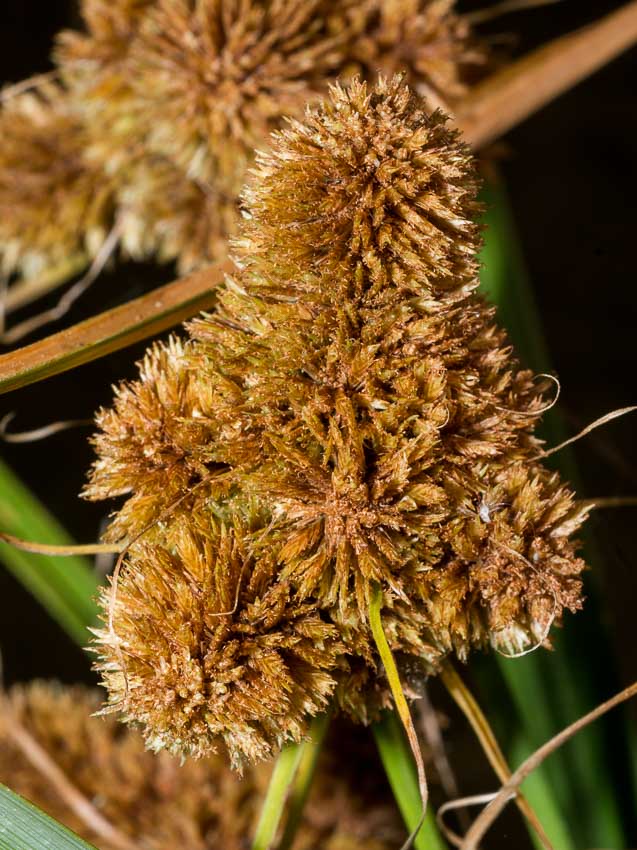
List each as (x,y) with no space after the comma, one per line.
(208,648)
(371,179)
(358,390)
(54,203)
(154,442)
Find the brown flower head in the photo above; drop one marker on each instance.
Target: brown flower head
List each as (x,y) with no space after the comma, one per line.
(53,202)
(369,178)
(379,403)
(209,648)
(426,39)
(154,442)
(162,803)
(167,101)
(359,390)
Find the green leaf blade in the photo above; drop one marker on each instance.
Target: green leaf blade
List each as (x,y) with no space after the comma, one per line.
(65,586)
(552,690)
(25,827)
(399,766)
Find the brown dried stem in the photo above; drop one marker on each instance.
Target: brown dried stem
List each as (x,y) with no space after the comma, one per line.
(100,335)
(52,549)
(467,703)
(510,96)
(484,821)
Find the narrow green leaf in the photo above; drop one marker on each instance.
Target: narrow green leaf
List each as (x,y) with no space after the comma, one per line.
(65,586)
(398,762)
(551,690)
(25,827)
(537,788)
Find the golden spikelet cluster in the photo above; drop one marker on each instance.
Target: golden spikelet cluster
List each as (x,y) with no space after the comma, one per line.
(156,800)
(170,98)
(242,660)
(358,396)
(54,203)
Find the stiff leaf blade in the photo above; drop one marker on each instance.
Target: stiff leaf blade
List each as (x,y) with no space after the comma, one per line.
(551,690)
(398,762)
(25,827)
(65,586)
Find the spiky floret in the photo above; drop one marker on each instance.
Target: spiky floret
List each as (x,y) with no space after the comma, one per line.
(154,442)
(426,39)
(373,183)
(198,85)
(396,405)
(232,69)
(54,203)
(209,648)
(359,389)
(161,802)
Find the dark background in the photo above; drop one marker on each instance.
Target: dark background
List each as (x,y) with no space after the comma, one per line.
(570,175)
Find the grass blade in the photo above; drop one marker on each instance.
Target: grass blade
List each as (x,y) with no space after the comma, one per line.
(65,586)
(300,790)
(25,827)
(398,762)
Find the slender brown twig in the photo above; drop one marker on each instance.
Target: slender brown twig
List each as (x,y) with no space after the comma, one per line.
(511,95)
(118,328)
(486,818)
(467,703)
(51,549)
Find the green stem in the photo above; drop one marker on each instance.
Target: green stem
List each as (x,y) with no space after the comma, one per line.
(291,778)
(310,752)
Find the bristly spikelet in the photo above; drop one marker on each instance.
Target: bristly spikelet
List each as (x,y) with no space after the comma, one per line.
(162,803)
(426,39)
(154,442)
(179,93)
(213,78)
(54,203)
(358,389)
(371,178)
(208,648)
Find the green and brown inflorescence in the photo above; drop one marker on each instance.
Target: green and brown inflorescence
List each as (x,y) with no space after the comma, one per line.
(348,418)
(169,99)
(159,802)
